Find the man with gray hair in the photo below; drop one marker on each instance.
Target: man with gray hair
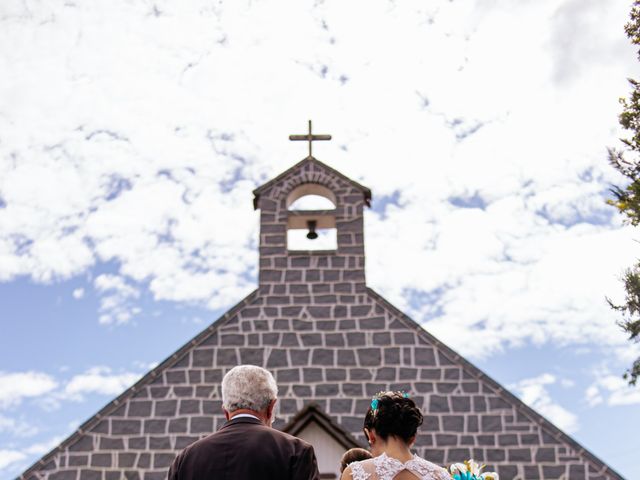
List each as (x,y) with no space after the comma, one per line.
(246,447)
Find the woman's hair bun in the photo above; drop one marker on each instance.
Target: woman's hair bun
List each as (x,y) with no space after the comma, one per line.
(395,415)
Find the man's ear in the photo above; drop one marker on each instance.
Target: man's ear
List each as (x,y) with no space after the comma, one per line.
(270,408)
(226,414)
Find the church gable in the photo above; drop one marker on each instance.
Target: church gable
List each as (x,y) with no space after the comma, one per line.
(331,342)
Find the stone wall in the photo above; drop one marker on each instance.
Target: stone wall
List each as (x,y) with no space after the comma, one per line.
(337,357)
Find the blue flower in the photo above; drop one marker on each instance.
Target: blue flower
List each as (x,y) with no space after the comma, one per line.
(464,476)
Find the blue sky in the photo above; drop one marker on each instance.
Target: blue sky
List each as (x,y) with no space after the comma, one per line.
(132,135)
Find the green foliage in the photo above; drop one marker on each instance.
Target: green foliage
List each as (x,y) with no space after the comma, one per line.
(630,311)
(627,199)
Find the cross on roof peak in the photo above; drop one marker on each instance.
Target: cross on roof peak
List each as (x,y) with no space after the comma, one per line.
(309,137)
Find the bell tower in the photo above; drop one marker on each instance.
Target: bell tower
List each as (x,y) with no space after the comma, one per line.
(293,276)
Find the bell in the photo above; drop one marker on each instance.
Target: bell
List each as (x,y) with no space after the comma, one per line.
(312,235)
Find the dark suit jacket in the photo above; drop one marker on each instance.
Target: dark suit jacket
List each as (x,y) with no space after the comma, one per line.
(245,449)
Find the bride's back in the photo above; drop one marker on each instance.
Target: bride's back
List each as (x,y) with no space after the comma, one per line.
(389,468)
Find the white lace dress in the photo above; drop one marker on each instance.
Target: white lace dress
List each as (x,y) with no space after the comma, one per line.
(385,468)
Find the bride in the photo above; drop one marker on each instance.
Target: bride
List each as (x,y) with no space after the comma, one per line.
(391,425)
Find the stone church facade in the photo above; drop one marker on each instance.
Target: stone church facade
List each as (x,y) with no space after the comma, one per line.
(331,343)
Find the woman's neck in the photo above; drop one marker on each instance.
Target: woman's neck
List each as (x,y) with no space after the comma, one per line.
(398,449)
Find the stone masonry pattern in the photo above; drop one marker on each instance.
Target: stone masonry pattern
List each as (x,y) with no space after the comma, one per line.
(328,340)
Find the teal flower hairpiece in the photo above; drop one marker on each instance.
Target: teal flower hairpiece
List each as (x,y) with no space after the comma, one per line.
(376,399)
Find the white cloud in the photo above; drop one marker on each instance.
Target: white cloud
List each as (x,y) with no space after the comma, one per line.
(49,393)
(496,284)
(18,428)
(612,390)
(78,293)
(44,447)
(162,189)
(105,283)
(593,396)
(582,18)
(567,383)
(9,457)
(116,303)
(534,392)
(14,387)
(98,380)
(146,366)
(13,460)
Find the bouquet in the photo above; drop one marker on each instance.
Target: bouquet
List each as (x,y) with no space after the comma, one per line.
(470,470)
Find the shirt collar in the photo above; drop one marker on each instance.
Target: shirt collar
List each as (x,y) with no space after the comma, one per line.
(244,415)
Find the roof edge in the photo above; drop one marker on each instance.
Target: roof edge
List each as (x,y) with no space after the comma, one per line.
(478,374)
(146,379)
(256,193)
(313,412)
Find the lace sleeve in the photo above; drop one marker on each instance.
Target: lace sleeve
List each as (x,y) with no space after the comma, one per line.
(442,474)
(357,471)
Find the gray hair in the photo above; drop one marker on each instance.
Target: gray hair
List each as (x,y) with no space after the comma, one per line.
(248,386)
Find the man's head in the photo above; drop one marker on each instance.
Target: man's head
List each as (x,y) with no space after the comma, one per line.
(249,389)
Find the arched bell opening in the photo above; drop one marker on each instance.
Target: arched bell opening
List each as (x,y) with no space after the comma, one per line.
(311,196)
(311,221)
(312,202)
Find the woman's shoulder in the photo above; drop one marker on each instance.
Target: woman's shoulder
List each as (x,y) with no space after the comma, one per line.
(360,470)
(363,465)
